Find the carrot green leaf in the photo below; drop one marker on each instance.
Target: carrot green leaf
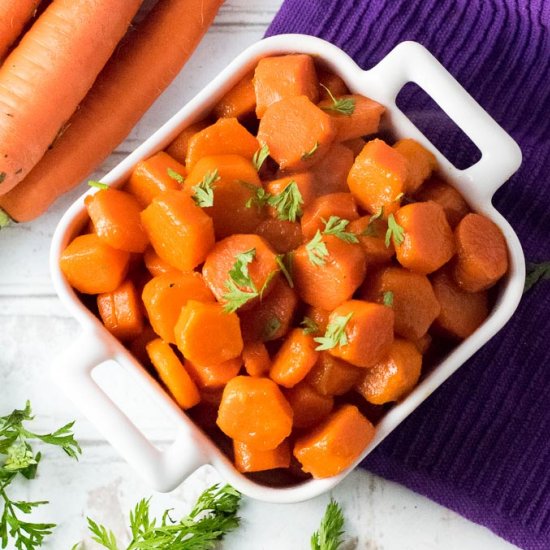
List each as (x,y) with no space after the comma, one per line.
(288,203)
(335,335)
(259,157)
(536,272)
(310,326)
(203,192)
(98,184)
(311,152)
(317,250)
(344,105)
(285,263)
(239,277)
(329,535)
(175,175)
(337,226)
(387,298)
(395,231)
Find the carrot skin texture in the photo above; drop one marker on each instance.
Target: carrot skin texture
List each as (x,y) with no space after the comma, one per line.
(13,17)
(178,148)
(213,377)
(256,359)
(308,406)
(248,459)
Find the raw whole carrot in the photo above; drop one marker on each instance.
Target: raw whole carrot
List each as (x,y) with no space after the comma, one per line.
(155,264)
(139,70)
(178,148)
(207,335)
(179,231)
(44,66)
(256,359)
(372,237)
(91,266)
(282,235)
(120,311)
(239,102)
(336,204)
(116,218)
(276,78)
(211,377)
(13,17)
(327,79)
(248,459)
(305,181)
(420,163)
(356,145)
(332,170)
(294,359)
(255,411)
(482,255)
(165,295)
(173,374)
(309,407)
(335,444)
(394,377)
(332,376)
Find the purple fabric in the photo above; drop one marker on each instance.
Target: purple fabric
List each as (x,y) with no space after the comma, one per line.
(481,444)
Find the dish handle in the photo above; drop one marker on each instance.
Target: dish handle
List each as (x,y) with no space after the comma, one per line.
(162,470)
(500,154)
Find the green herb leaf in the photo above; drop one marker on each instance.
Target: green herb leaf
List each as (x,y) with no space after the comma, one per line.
(370,230)
(310,326)
(175,175)
(271,328)
(102,535)
(260,196)
(2,176)
(395,231)
(335,334)
(329,535)
(239,277)
(536,272)
(387,298)
(286,270)
(308,154)
(98,184)
(344,105)
(259,157)
(337,226)
(5,219)
(288,203)
(203,192)
(317,250)
(398,197)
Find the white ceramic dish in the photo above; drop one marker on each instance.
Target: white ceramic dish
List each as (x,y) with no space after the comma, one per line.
(408,62)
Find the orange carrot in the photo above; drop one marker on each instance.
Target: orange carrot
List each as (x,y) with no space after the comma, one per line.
(256,359)
(139,70)
(320,320)
(155,264)
(211,377)
(305,182)
(13,17)
(282,235)
(248,459)
(372,237)
(332,170)
(239,101)
(178,148)
(332,376)
(356,145)
(319,212)
(44,66)
(420,163)
(336,86)
(308,406)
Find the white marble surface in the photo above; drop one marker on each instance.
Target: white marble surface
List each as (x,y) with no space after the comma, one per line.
(34,327)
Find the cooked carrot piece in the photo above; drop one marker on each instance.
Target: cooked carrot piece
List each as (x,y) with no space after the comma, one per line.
(367,334)
(250,250)
(306,183)
(372,237)
(427,240)
(319,317)
(356,145)
(423,343)
(248,459)
(234,182)
(282,235)
(377,177)
(276,78)
(420,163)
(294,359)
(211,377)
(411,296)
(482,255)
(332,376)
(116,218)
(255,411)
(461,312)
(256,359)
(308,406)
(297,133)
(155,264)
(336,204)
(331,172)
(165,295)
(178,148)
(239,101)
(180,232)
(207,335)
(333,282)
(327,79)
(138,345)
(394,376)
(153,176)
(270,319)
(91,266)
(120,311)
(447,197)
(173,374)
(225,137)
(363,120)
(335,444)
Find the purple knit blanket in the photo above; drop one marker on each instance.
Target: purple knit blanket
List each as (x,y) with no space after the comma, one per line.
(480,445)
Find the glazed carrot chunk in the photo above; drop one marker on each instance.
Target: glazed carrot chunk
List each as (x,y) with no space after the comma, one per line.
(276,78)
(178,148)
(297,133)
(270,318)
(423,343)
(225,137)
(420,163)
(377,177)
(248,459)
(336,86)
(328,284)
(116,218)
(372,237)
(447,197)
(155,264)
(427,242)
(331,172)
(482,255)
(305,182)
(180,232)
(207,335)
(256,359)
(165,295)
(173,374)
(360,120)
(367,332)
(332,376)
(234,182)
(355,145)
(153,176)
(294,359)
(138,345)
(282,235)
(411,295)
(255,411)
(394,377)
(321,209)
(249,250)
(120,311)
(239,101)
(308,406)
(461,312)
(211,377)
(91,266)
(335,444)
(319,317)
